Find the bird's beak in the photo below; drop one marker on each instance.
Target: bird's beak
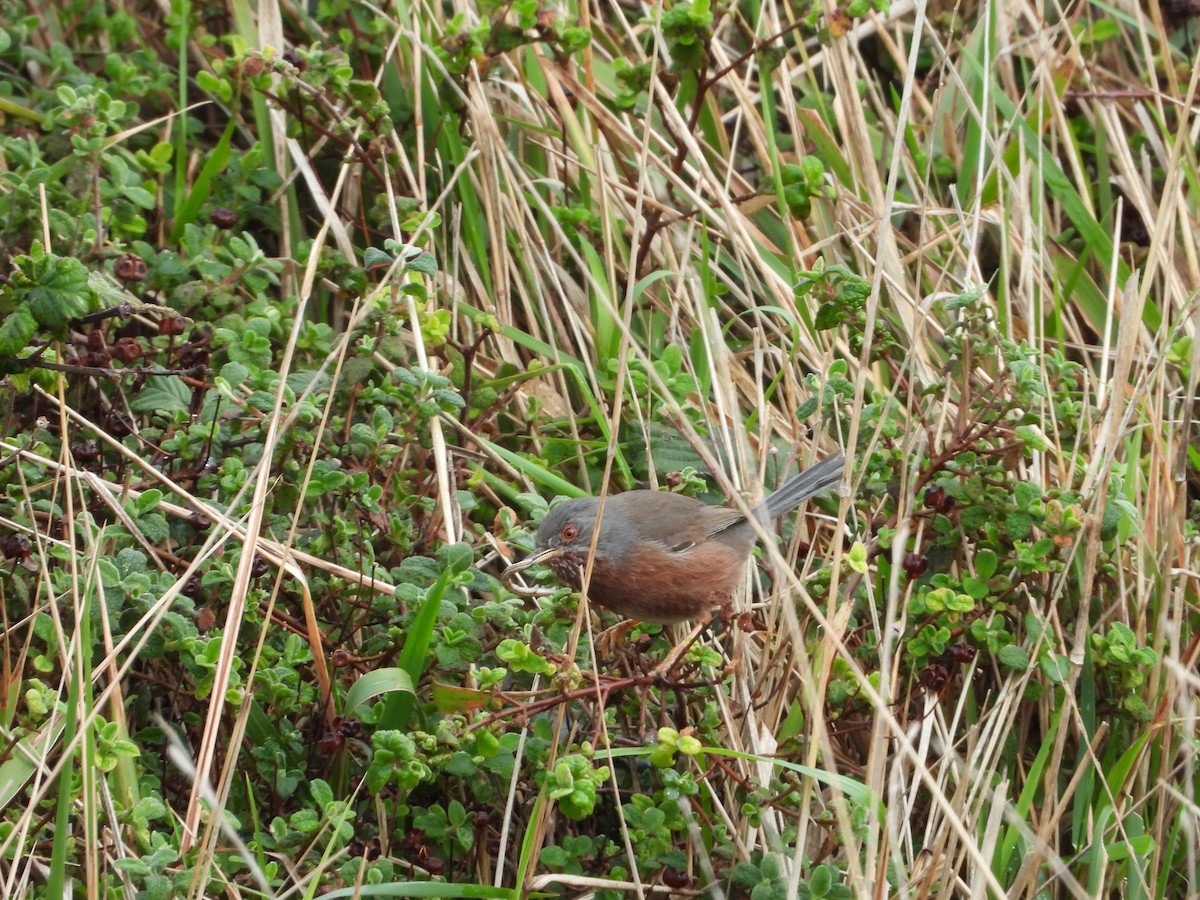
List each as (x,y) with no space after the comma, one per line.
(533,559)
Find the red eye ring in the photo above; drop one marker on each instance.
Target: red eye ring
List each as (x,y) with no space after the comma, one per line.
(569,532)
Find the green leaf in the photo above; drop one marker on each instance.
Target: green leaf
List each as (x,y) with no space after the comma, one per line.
(321,792)
(1056,666)
(424,889)
(374,257)
(1018,525)
(426,264)
(56,289)
(690,746)
(140,197)
(165,394)
(1027,495)
(154,528)
(188,210)
(1033,438)
(1013,657)
(457,557)
(416,648)
(829,315)
(148,501)
(856,559)
(211,84)
(746,874)
(375,684)
(1110,519)
(985,564)
(16,330)
(18,768)
(234,373)
(975,587)
(821,881)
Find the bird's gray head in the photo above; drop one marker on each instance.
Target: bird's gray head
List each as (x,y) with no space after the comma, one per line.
(568,526)
(565,537)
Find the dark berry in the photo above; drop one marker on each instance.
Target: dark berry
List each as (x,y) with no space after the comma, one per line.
(118,424)
(915,564)
(190,355)
(675,878)
(85,452)
(962,653)
(223,217)
(292,58)
(16,546)
(433,865)
(127,350)
(130,267)
(934,677)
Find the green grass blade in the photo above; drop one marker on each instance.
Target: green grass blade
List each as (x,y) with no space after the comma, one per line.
(217,160)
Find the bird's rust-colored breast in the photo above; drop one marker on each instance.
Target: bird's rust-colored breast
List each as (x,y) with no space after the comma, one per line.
(665,586)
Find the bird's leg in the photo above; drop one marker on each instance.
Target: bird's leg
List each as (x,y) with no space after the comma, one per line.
(664,668)
(746,622)
(722,604)
(721,611)
(608,641)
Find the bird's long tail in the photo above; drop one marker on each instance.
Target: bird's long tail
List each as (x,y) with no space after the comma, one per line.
(824,475)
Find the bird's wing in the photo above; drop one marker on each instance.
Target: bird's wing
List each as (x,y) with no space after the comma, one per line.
(674,522)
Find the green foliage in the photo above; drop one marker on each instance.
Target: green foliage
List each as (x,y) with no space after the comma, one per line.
(573,783)
(971,503)
(573,855)
(824,882)
(856,9)
(44,291)
(507,28)
(395,761)
(763,879)
(671,741)
(520,658)
(654,825)
(801,184)
(634,80)
(1122,664)
(841,294)
(442,824)
(687,29)
(88,114)
(155,237)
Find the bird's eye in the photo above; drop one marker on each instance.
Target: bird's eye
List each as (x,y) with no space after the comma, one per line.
(569,532)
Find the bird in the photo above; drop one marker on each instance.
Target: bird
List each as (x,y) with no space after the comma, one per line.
(661,557)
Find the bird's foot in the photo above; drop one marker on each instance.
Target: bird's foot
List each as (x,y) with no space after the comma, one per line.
(609,642)
(663,669)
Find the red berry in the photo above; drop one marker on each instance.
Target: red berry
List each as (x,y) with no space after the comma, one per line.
(915,564)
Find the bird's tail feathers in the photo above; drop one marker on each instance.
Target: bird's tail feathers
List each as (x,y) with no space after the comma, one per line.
(822,476)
